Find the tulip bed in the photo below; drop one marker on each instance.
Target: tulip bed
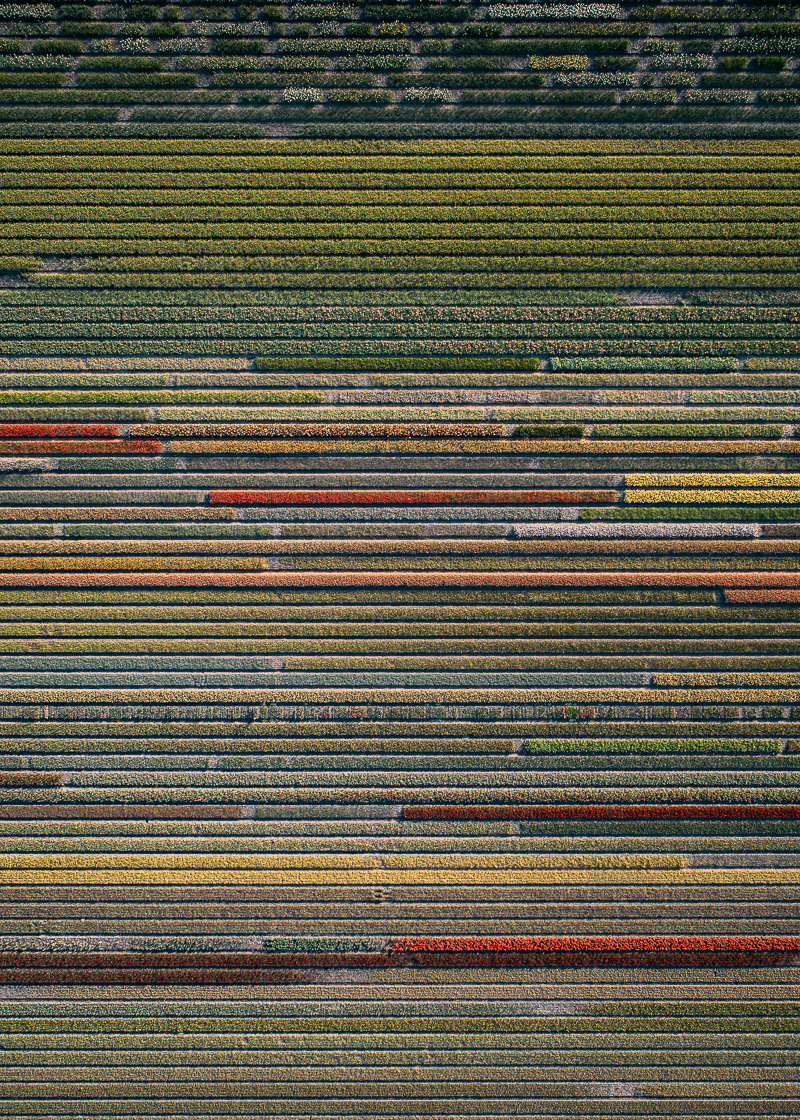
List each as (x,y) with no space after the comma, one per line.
(399,560)
(710,69)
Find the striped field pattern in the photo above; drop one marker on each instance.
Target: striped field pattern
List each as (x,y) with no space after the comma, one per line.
(396,751)
(399,604)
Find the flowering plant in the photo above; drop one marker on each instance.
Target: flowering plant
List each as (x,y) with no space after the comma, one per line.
(309,93)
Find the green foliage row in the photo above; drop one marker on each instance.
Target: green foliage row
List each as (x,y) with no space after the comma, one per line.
(559,110)
(511,349)
(514,250)
(16,80)
(705,123)
(469,261)
(136,80)
(364,281)
(599,217)
(745,235)
(497,201)
(211,156)
(118,63)
(447,147)
(83,98)
(628,186)
(584,318)
(621,341)
(122,341)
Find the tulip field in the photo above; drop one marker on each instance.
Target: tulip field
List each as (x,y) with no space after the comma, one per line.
(399,561)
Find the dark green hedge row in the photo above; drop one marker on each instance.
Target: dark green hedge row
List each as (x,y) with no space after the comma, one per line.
(30,80)
(715,120)
(82,98)
(117,62)
(364,127)
(137,80)
(55,112)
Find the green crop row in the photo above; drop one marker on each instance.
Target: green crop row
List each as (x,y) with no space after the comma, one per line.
(559,110)
(636,350)
(649,335)
(453,354)
(168,343)
(475,122)
(482,281)
(39,81)
(58,113)
(146,210)
(450,146)
(782,270)
(347,123)
(521,249)
(631,353)
(223,157)
(519,45)
(85,97)
(136,80)
(483,195)
(745,235)
(524,97)
(771,186)
(750,271)
(341,309)
(582,319)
